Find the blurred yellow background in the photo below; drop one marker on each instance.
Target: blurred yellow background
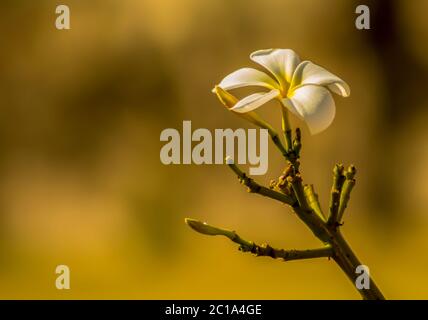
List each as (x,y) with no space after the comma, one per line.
(81,182)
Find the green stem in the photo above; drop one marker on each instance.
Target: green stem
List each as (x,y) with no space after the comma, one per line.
(263,250)
(257,188)
(348,185)
(286,129)
(336,189)
(312,199)
(277,141)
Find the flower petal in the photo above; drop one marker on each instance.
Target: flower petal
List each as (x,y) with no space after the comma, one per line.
(280,62)
(247,77)
(254,101)
(310,73)
(314,104)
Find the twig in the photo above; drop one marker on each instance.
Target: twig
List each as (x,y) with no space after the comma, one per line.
(346,191)
(277,141)
(336,189)
(297,143)
(296,184)
(255,187)
(263,250)
(286,129)
(312,199)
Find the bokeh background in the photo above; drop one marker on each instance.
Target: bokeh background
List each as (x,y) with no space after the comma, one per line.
(81,182)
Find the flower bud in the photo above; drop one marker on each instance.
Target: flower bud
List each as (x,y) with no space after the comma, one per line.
(203,227)
(229,101)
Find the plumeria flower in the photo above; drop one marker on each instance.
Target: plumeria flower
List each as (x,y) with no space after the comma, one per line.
(302,87)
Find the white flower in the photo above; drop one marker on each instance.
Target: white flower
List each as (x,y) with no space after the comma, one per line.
(301,86)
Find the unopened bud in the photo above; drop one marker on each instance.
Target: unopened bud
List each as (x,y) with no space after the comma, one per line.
(229,101)
(203,227)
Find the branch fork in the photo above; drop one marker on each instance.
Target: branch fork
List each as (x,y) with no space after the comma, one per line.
(303,200)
